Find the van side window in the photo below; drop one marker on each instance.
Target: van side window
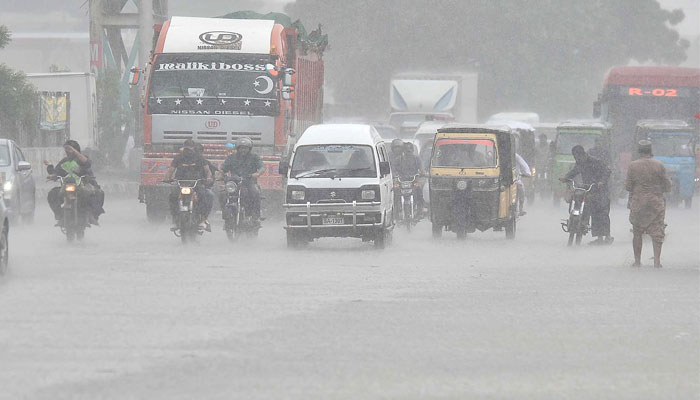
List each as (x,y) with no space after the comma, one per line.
(382,153)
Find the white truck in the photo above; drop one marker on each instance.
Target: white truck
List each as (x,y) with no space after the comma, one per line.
(416,98)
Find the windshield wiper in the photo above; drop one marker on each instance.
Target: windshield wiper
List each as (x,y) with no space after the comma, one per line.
(315,172)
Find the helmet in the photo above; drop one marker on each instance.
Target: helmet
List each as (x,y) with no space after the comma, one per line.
(244,142)
(397,143)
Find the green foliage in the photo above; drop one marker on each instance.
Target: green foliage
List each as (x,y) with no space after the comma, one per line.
(547,56)
(18,98)
(110,114)
(5,36)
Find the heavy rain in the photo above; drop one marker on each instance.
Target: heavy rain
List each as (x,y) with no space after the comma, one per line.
(363,199)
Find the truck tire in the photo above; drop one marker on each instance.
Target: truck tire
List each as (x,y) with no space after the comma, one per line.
(437,230)
(688,202)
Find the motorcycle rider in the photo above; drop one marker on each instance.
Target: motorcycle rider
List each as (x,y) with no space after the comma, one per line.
(76,164)
(405,165)
(190,165)
(246,164)
(594,171)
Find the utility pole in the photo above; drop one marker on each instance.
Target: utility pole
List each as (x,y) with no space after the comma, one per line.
(111,26)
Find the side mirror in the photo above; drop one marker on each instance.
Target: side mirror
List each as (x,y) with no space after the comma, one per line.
(596,109)
(134,76)
(24,166)
(289,78)
(287,93)
(271,70)
(284,168)
(384,168)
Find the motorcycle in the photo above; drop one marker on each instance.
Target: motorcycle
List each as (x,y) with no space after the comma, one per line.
(75,212)
(405,204)
(577,225)
(189,218)
(236,219)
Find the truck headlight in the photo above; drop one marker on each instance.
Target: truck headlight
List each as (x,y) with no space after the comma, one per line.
(298,195)
(368,194)
(461,185)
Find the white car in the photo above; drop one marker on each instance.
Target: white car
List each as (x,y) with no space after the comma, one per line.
(339,184)
(18,183)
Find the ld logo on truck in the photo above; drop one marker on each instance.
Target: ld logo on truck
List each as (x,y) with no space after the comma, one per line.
(221,40)
(212,123)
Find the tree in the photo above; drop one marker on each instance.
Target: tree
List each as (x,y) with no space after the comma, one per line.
(547,56)
(5,36)
(18,101)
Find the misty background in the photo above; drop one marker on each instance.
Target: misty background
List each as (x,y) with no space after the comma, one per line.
(546,56)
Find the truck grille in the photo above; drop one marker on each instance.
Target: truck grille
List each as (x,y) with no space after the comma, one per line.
(177,135)
(210,136)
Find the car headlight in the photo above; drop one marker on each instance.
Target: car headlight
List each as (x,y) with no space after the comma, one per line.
(231,187)
(534,170)
(7,186)
(368,194)
(298,195)
(186,190)
(461,185)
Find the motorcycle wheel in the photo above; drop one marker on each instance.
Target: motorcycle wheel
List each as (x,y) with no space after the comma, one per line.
(437,231)
(571,238)
(688,202)
(407,218)
(70,235)
(80,234)
(579,236)
(510,228)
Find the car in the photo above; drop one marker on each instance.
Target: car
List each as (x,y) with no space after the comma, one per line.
(4,237)
(339,184)
(18,183)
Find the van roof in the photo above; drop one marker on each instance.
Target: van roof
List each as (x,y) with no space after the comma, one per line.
(340,134)
(473,128)
(583,123)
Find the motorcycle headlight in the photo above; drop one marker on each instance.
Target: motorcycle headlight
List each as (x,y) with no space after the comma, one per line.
(368,194)
(186,190)
(70,188)
(231,187)
(406,185)
(7,186)
(461,185)
(298,195)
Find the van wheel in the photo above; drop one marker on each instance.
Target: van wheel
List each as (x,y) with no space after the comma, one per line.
(382,239)
(295,240)
(437,230)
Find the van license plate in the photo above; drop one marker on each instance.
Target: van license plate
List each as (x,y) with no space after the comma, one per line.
(333,221)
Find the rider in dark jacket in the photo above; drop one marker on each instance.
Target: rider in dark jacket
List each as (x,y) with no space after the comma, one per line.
(245,164)
(190,165)
(77,165)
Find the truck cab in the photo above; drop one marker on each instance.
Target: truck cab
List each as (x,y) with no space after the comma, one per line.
(673,143)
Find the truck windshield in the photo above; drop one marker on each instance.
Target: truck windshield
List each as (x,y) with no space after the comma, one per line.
(212,85)
(333,160)
(465,153)
(567,141)
(671,145)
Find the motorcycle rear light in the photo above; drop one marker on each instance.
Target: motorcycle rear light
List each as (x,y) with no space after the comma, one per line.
(298,195)
(186,190)
(70,188)
(368,195)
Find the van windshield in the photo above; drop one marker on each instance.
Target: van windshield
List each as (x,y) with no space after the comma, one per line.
(465,153)
(333,160)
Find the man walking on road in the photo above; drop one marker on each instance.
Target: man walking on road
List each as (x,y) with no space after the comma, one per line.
(647,182)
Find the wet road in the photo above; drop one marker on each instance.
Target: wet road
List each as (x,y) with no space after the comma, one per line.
(131,313)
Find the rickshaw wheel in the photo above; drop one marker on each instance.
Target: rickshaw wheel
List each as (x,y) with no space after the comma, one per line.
(437,230)
(510,228)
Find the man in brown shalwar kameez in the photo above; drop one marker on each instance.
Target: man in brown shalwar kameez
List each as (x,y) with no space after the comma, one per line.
(647,182)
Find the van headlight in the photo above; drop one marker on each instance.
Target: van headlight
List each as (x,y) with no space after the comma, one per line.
(298,195)
(7,186)
(368,195)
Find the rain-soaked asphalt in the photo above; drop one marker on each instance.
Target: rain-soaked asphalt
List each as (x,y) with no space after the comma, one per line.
(132,314)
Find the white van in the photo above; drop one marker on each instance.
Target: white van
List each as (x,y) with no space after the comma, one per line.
(339,184)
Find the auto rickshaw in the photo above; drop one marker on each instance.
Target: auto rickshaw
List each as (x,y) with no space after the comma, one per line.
(472,180)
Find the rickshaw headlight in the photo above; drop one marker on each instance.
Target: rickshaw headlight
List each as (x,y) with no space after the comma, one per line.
(461,185)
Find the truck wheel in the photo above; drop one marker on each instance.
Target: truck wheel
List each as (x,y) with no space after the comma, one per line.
(555,200)
(461,232)
(437,230)
(28,218)
(688,202)
(510,228)
(155,214)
